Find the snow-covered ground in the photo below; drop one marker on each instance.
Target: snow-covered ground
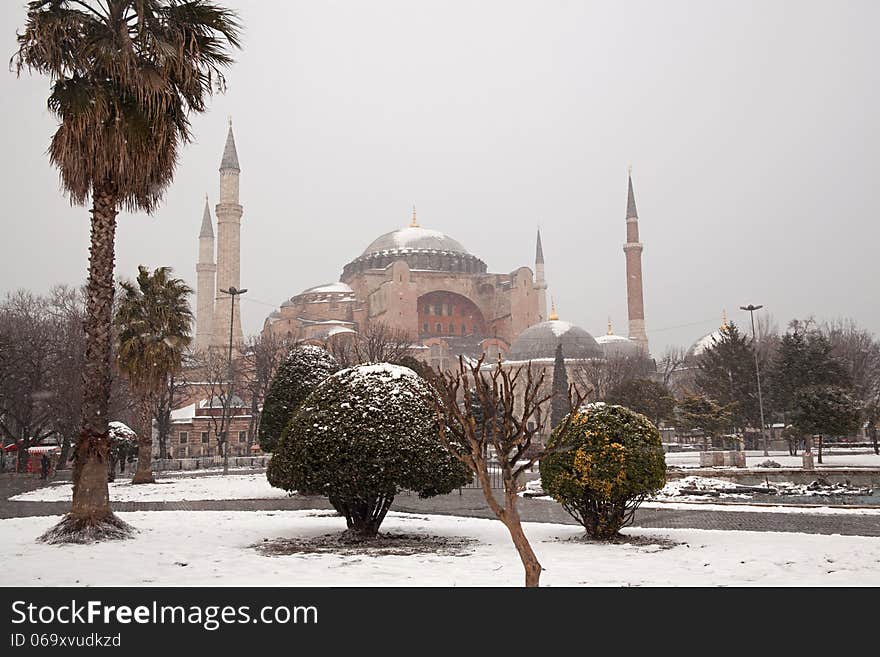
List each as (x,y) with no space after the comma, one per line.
(170,489)
(186,548)
(830,458)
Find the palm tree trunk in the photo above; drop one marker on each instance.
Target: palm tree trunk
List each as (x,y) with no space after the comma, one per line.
(144,472)
(90,517)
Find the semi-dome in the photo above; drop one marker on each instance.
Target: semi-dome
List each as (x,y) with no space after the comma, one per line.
(618,346)
(540,340)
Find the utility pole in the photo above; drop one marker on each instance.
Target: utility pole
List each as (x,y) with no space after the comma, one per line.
(226,421)
(751,310)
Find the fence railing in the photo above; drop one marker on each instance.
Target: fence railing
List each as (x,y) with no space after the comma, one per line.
(205,462)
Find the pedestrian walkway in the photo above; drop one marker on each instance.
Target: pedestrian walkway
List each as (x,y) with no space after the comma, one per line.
(470,503)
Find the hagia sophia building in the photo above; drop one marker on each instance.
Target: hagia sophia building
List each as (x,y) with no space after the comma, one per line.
(415,279)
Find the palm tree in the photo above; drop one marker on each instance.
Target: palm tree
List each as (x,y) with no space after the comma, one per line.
(126,75)
(153,322)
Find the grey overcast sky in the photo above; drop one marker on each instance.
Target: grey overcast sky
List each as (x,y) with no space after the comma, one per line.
(751,126)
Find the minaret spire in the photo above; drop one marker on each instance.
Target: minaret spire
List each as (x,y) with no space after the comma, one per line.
(229,213)
(553,316)
(540,281)
(206,272)
(633,252)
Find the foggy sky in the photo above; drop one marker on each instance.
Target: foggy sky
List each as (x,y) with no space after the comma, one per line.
(751,127)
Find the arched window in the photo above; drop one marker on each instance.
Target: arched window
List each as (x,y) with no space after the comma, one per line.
(452,329)
(438,328)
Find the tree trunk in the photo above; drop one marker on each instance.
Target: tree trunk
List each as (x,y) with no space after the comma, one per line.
(90,518)
(529,561)
(144,472)
(874,436)
(819,460)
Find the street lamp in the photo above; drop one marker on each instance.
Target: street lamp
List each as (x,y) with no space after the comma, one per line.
(227,419)
(751,310)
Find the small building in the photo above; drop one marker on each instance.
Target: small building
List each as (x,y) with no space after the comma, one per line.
(195,429)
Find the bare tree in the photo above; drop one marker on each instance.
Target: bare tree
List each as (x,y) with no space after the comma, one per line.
(604,375)
(30,349)
(506,420)
(261,355)
(213,371)
(380,343)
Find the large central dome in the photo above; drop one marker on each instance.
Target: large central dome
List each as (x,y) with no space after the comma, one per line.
(414,238)
(421,248)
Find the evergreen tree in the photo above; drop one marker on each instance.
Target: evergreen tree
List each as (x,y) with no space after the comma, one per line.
(559,404)
(301,372)
(804,358)
(726,374)
(651,399)
(700,412)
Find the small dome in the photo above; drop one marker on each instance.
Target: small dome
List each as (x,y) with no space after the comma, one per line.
(414,238)
(617,346)
(540,340)
(706,342)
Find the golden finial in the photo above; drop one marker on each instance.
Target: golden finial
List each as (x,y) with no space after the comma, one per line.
(724,320)
(553,316)
(610,332)
(414,223)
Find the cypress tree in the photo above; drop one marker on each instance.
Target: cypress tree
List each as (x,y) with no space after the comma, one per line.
(559,404)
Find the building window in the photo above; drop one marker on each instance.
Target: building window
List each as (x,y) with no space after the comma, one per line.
(438,328)
(463,329)
(204,437)
(242,436)
(183,437)
(438,309)
(452,329)
(425,328)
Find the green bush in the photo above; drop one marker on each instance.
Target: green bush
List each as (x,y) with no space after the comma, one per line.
(362,436)
(305,367)
(609,460)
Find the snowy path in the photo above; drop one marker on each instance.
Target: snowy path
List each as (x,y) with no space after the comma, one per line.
(170,489)
(856,457)
(212,548)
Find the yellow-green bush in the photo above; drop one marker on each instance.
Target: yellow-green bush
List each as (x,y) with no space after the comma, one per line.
(602,465)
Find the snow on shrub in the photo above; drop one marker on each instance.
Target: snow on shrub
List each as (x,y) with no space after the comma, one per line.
(304,368)
(609,460)
(362,436)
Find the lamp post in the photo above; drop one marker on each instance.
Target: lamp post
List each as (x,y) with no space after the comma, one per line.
(751,310)
(227,405)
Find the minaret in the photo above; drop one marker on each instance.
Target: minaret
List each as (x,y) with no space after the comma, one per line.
(228,245)
(633,251)
(206,272)
(540,282)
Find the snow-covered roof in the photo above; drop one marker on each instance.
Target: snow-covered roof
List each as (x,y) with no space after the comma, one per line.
(330,288)
(184,414)
(540,341)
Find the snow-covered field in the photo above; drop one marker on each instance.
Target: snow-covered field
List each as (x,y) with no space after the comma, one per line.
(830,458)
(184,548)
(170,489)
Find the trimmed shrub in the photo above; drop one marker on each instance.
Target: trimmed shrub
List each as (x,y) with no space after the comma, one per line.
(305,367)
(609,460)
(362,436)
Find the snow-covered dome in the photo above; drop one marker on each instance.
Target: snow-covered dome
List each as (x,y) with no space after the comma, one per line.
(540,340)
(421,248)
(414,238)
(617,346)
(329,288)
(706,342)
